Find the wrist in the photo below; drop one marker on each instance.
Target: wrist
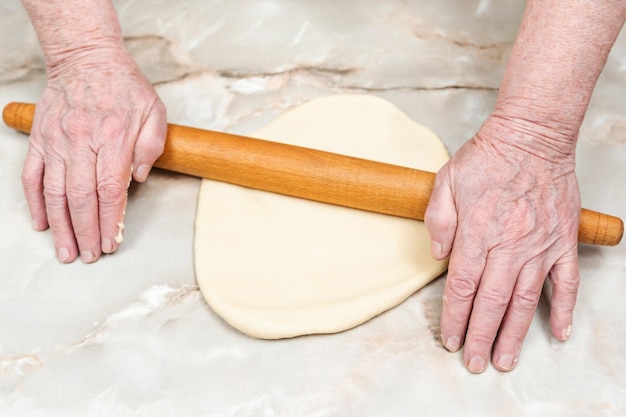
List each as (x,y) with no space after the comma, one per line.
(543,111)
(527,137)
(74,34)
(100,56)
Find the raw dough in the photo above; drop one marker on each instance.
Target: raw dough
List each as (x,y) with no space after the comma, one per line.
(274,266)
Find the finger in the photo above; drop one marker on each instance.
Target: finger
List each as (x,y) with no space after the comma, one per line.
(82,201)
(564,278)
(150,142)
(519,314)
(57,209)
(490,305)
(112,196)
(113,178)
(465,269)
(32,182)
(441,217)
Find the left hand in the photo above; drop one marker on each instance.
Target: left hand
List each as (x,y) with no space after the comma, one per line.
(98,118)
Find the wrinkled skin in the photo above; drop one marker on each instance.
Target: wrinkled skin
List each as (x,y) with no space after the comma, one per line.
(506,212)
(97,118)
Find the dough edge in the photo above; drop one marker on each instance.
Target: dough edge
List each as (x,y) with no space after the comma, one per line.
(271,325)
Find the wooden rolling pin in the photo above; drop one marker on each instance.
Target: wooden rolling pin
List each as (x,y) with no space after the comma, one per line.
(310,174)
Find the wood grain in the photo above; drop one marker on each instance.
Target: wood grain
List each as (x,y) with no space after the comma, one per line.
(310,174)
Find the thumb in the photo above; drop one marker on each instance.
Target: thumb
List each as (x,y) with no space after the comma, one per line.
(441,217)
(150,142)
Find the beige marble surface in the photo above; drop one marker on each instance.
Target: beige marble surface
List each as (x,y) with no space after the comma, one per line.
(131,335)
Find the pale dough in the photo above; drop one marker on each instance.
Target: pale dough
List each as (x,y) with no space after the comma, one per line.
(274,266)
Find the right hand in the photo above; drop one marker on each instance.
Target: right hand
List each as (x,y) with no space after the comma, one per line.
(98,122)
(506,209)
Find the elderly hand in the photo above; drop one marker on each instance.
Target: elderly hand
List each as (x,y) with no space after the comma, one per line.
(506,210)
(98,119)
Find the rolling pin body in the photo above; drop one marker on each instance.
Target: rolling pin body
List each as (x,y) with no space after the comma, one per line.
(310,174)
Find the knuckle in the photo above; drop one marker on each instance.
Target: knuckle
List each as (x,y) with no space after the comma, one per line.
(79,195)
(432,217)
(568,286)
(564,294)
(75,125)
(111,191)
(461,288)
(30,179)
(154,148)
(495,297)
(82,231)
(33,169)
(526,300)
(479,339)
(54,195)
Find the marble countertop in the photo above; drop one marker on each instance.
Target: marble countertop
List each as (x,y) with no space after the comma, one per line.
(131,335)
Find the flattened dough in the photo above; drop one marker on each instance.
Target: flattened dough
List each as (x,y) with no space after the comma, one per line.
(275,267)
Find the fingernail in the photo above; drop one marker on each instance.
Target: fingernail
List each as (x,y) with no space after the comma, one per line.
(63,254)
(567,333)
(436,250)
(37,225)
(87,257)
(142,172)
(477,364)
(507,362)
(453,344)
(107,246)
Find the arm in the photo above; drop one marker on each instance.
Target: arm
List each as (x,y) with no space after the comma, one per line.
(97,118)
(506,207)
